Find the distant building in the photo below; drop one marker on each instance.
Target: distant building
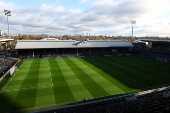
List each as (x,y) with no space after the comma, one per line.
(49,39)
(44,35)
(0,32)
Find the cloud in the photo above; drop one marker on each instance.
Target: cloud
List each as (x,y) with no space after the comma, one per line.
(84,1)
(110,17)
(45,7)
(57,1)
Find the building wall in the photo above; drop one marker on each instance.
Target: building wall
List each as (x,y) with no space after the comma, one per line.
(0,32)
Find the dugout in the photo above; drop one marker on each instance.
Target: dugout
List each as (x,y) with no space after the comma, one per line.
(66,48)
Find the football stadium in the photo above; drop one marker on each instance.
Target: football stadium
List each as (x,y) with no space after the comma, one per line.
(69,76)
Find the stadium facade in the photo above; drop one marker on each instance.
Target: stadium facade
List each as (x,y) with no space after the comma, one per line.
(71,47)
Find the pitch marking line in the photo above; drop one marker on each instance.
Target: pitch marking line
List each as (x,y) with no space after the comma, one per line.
(28,88)
(15,89)
(50,73)
(27,72)
(24,88)
(7,90)
(10,79)
(55,72)
(20,67)
(7,84)
(42,86)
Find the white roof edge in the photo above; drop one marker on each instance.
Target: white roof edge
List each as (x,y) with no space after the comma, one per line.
(153,40)
(107,40)
(71,40)
(5,40)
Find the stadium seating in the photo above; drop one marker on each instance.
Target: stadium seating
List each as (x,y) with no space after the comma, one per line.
(155,54)
(150,102)
(5,64)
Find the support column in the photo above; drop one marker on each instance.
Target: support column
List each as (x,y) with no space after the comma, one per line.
(90,51)
(45,51)
(57,51)
(77,51)
(6,48)
(33,54)
(10,46)
(17,52)
(29,52)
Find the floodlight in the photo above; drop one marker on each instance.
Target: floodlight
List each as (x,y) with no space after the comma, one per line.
(5,10)
(7,13)
(133,21)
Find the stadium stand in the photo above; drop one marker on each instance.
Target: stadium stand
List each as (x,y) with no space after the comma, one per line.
(155,54)
(5,64)
(70,48)
(156,50)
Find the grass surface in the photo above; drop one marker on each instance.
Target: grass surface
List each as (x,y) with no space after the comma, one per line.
(45,82)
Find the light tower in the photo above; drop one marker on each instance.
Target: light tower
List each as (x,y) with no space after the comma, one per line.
(8,13)
(132,22)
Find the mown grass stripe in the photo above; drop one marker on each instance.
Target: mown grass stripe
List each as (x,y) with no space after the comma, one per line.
(60,86)
(30,94)
(132,69)
(107,62)
(77,84)
(95,89)
(116,78)
(109,89)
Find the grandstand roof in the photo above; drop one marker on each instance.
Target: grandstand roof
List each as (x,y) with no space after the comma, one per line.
(153,40)
(6,40)
(42,44)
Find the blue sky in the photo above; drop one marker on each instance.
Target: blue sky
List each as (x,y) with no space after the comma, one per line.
(95,17)
(68,4)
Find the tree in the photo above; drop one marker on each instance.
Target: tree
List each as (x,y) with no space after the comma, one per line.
(2,47)
(25,37)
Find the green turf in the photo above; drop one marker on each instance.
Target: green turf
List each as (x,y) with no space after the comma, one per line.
(44,82)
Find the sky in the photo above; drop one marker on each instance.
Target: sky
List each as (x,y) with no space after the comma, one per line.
(94,17)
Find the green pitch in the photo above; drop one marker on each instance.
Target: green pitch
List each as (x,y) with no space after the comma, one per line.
(46,82)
